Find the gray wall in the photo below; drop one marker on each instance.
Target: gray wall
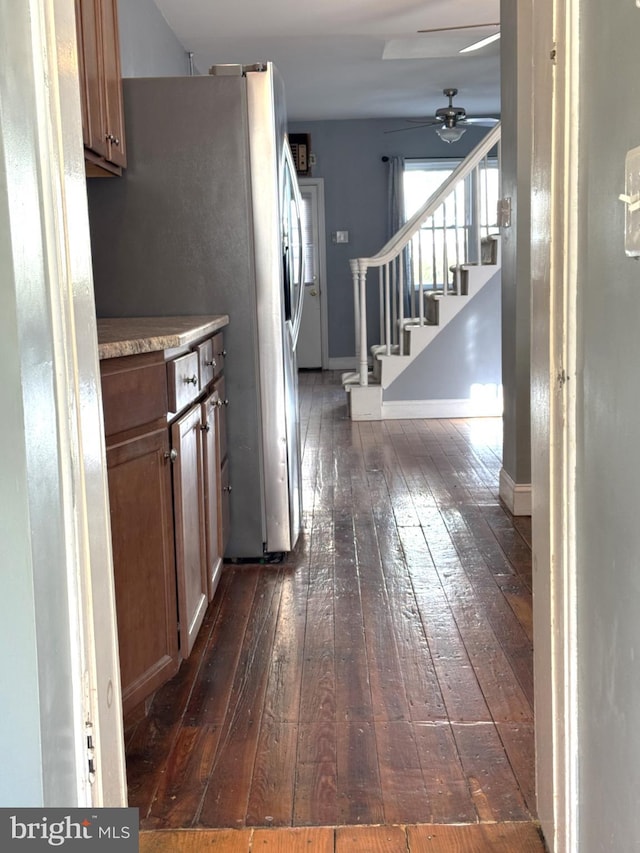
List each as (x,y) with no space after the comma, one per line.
(516,251)
(608,450)
(349,158)
(465,352)
(148,47)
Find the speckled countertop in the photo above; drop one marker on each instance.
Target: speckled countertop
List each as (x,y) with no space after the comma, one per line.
(118,336)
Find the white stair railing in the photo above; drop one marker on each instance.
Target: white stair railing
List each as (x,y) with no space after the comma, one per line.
(420,258)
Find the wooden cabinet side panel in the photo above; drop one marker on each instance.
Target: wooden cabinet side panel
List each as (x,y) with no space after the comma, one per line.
(144,563)
(188,499)
(84,98)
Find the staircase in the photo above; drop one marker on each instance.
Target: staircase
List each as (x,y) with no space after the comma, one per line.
(428,273)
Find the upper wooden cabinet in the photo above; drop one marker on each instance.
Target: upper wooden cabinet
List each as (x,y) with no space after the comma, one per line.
(100,87)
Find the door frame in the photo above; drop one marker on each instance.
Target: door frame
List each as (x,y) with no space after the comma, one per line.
(54,374)
(316,185)
(554,280)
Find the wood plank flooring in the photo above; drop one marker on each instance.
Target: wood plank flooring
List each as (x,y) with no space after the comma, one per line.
(380,674)
(434,838)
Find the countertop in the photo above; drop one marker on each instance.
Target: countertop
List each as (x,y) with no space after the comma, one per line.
(118,336)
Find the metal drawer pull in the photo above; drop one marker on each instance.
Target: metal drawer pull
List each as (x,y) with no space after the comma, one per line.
(211,363)
(205,427)
(191,380)
(226,488)
(172,454)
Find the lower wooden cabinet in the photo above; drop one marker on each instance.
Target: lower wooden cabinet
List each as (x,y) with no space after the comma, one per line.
(168,484)
(141,501)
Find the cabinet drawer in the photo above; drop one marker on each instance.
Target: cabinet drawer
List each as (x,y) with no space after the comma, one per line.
(134,391)
(219,352)
(206,362)
(183,381)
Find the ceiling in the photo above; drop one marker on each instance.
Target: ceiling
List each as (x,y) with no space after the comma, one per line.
(331,52)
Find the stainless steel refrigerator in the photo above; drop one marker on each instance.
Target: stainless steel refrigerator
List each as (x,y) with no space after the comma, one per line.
(205,220)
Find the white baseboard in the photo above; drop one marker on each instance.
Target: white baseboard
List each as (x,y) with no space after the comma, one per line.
(465,408)
(515,496)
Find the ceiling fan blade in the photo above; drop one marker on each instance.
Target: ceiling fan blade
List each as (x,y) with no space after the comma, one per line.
(480,122)
(464,27)
(414,126)
(423,122)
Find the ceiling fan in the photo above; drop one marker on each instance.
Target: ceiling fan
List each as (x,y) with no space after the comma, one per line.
(450,122)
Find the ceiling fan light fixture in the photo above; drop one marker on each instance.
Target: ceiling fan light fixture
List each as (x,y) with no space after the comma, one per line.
(450,134)
(482,43)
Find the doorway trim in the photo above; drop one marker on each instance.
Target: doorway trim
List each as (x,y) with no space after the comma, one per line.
(317,184)
(53,377)
(554,244)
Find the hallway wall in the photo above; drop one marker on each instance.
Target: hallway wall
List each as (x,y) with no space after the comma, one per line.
(608,446)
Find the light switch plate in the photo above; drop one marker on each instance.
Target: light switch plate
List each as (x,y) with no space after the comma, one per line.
(632,202)
(340,236)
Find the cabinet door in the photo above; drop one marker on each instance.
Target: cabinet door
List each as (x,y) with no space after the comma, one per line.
(112,87)
(223,462)
(88,26)
(144,562)
(211,492)
(224,516)
(188,496)
(100,83)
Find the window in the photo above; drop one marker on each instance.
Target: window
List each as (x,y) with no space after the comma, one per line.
(444,239)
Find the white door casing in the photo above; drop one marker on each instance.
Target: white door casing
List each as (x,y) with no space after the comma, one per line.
(555,204)
(54,373)
(312,346)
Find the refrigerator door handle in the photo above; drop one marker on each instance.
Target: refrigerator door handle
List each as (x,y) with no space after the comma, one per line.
(296,310)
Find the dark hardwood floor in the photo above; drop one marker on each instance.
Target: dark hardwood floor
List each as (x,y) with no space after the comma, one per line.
(382,673)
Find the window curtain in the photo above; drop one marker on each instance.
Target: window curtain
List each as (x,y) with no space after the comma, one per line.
(395,219)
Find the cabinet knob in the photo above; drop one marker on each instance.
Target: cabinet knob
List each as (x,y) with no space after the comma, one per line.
(112,139)
(224,353)
(172,454)
(226,488)
(191,380)
(205,427)
(221,403)
(211,363)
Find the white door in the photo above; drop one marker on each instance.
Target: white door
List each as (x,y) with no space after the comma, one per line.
(311,348)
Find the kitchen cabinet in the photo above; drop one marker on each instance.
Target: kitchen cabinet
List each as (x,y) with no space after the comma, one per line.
(100,87)
(142,530)
(161,417)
